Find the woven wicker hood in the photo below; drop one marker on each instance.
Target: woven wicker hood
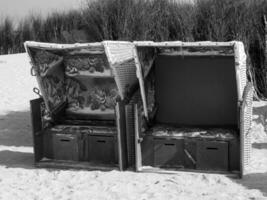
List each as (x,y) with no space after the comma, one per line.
(147,52)
(90,77)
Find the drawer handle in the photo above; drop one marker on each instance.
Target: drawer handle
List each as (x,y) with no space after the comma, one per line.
(101,141)
(169,144)
(64,140)
(212,148)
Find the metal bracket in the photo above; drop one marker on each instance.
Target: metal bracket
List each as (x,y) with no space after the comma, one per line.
(33,72)
(190,157)
(37,91)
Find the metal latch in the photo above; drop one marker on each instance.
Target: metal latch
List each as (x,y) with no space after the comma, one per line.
(37,91)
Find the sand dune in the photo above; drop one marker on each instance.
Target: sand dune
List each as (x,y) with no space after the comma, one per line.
(20,180)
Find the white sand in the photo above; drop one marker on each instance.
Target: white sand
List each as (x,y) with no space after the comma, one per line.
(20,180)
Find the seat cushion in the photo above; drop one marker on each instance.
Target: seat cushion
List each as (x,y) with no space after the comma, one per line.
(209,133)
(90,87)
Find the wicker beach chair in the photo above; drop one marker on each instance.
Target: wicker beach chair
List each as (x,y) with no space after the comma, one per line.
(79,120)
(196,107)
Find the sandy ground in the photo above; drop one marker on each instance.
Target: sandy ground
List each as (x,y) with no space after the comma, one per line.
(20,180)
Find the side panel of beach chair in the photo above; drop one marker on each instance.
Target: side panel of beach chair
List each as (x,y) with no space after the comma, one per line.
(245,104)
(137,124)
(85,99)
(121,60)
(245,128)
(237,96)
(36,119)
(122,144)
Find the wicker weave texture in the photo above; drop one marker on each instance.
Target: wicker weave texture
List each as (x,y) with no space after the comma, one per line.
(245,125)
(125,75)
(118,51)
(241,68)
(130,126)
(121,60)
(130,134)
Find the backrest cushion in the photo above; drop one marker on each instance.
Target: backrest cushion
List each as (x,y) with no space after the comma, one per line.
(90,87)
(196,90)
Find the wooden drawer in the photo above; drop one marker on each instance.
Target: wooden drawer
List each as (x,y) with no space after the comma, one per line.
(101,149)
(65,147)
(168,152)
(212,155)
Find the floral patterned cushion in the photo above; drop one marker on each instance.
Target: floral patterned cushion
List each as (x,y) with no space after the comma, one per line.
(50,74)
(82,79)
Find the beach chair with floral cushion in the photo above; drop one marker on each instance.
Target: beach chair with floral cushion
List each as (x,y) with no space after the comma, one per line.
(196,107)
(79,120)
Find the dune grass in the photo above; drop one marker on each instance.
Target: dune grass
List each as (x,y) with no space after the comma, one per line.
(158,20)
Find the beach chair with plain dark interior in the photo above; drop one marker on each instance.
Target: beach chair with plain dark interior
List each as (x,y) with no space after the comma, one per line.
(196,107)
(79,120)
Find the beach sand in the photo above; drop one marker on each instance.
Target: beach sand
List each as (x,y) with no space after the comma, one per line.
(20,180)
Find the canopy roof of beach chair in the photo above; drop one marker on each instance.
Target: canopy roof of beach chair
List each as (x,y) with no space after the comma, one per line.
(79,73)
(146,52)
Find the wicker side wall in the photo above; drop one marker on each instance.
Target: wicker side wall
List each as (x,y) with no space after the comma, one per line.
(118,51)
(245,126)
(241,68)
(130,127)
(129,116)
(121,60)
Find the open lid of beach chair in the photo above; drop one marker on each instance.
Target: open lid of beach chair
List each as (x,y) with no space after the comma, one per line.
(191,56)
(86,78)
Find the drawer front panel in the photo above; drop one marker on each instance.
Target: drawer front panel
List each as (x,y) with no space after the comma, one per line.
(65,147)
(101,149)
(168,153)
(212,155)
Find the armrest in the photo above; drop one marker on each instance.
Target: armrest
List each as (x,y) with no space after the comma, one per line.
(247,97)
(246,107)
(245,127)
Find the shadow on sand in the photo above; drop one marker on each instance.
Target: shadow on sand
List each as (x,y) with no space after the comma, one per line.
(16,159)
(15,140)
(260,146)
(15,129)
(255,181)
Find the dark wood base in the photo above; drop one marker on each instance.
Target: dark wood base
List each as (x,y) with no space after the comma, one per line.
(190,154)
(59,164)
(150,169)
